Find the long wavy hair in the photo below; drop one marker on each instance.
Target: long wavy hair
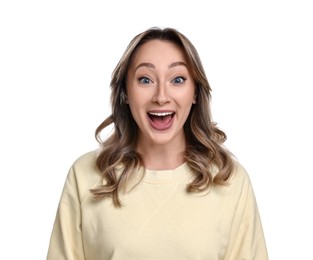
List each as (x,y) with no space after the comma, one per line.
(204,140)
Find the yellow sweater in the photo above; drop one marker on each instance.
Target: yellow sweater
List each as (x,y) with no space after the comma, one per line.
(159,219)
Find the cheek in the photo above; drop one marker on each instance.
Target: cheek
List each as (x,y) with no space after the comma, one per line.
(189,101)
(187,98)
(136,104)
(135,101)
(138,97)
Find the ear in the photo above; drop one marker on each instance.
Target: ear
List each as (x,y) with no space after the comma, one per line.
(194,101)
(123,98)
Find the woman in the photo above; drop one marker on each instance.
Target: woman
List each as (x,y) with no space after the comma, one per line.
(162,186)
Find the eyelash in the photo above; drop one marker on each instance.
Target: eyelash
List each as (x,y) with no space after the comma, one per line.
(182,80)
(146,80)
(143,80)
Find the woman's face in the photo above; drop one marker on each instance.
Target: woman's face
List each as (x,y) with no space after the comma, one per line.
(160,92)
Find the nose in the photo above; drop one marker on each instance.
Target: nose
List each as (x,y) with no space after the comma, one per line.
(160,96)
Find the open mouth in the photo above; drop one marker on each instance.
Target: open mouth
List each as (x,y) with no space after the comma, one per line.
(161,120)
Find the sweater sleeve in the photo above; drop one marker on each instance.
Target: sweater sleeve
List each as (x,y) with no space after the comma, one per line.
(66,238)
(246,238)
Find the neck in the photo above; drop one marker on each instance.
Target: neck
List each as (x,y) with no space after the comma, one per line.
(162,156)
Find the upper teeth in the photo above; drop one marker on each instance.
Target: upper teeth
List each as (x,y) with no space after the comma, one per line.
(161,114)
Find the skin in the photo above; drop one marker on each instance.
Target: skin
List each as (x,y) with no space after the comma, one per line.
(159,81)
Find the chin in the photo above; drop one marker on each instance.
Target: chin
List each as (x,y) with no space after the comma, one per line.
(162,138)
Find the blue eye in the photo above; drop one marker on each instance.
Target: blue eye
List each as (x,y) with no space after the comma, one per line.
(179,80)
(144,80)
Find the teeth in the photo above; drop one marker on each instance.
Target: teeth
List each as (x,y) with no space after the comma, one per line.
(161,114)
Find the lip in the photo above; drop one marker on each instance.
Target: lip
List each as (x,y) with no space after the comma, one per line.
(161,127)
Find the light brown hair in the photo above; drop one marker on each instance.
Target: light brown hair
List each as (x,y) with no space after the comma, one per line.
(204,140)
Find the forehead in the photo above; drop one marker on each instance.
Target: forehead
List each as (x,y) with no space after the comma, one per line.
(159,51)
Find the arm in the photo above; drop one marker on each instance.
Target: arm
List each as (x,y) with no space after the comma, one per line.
(246,238)
(66,238)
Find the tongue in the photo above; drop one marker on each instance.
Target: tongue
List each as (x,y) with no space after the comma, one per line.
(161,120)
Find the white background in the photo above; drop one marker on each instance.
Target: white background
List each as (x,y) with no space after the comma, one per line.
(56,60)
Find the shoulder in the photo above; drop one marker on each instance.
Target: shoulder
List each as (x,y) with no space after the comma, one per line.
(237,189)
(85,173)
(239,173)
(86,161)
(239,180)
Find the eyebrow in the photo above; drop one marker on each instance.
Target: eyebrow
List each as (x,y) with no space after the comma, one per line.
(150,65)
(178,63)
(145,64)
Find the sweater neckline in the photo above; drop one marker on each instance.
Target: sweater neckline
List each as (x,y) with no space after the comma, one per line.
(166,176)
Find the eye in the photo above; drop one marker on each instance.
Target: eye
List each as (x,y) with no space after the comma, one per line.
(144,80)
(179,80)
